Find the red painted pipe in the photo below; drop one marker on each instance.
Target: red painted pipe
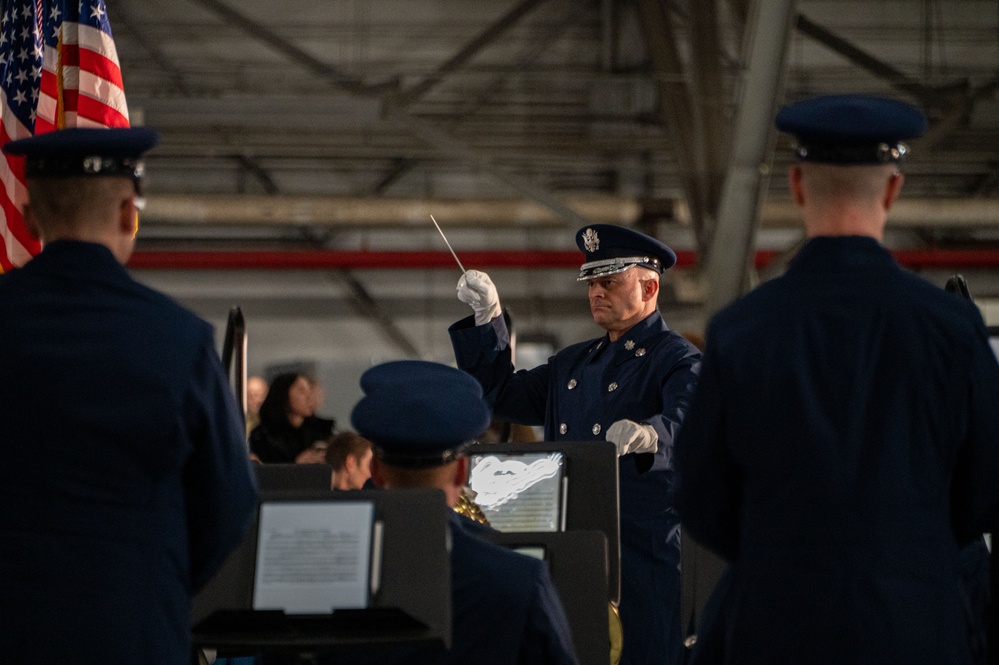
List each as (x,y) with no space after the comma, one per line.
(429,260)
(360,260)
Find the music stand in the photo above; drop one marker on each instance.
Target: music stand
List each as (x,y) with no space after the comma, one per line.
(411,606)
(591,501)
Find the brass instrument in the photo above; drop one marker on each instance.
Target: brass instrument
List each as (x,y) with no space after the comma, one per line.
(616,634)
(466,506)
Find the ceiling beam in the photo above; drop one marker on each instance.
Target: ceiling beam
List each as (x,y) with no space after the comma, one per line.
(768,34)
(467,52)
(467,108)
(713,129)
(928,97)
(426,131)
(227,210)
(177,79)
(675,109)
(218,210)
(327,72)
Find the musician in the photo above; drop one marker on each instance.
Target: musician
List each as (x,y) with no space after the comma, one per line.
(630,387)
(843,441)
(125,480)
(421,417)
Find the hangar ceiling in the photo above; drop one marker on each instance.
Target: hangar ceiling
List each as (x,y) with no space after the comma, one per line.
(336,127)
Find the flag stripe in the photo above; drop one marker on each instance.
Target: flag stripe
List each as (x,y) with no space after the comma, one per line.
(58,68)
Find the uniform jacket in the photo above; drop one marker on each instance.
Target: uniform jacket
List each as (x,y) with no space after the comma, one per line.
(842,443)
(648,375)
(504,606)
(125,479)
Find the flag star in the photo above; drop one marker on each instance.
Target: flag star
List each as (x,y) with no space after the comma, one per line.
(20,97)
(36,72)
(23,55)
(54,14)
(25,32)
(22,76)
(26,11)
(33,115)
(97,12)
(3,37)
(34,94)
(38,51)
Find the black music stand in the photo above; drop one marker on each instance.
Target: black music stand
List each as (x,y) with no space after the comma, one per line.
(577,562)
(288,477)
(411,608)
(592,500)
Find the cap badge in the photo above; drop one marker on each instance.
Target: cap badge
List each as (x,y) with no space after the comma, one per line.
(591,241)
(93,164)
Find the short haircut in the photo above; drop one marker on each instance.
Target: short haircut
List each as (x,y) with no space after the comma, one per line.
(343,445)
(76,201)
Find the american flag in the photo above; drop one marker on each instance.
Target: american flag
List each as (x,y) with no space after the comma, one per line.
(58,68)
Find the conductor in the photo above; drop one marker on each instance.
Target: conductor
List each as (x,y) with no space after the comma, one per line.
(125,479)
(631,387)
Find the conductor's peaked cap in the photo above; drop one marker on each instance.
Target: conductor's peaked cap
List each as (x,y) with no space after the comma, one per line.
(610,249)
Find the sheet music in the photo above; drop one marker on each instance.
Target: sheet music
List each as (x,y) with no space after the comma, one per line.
(313,557)
(519,492)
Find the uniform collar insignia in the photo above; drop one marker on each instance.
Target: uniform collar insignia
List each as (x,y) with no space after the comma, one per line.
(591,241)
(629,345)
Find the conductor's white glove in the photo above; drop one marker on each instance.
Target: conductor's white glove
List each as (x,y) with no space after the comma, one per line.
(632,437)
(476,290)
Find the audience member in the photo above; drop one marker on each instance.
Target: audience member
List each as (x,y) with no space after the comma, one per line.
(349,454)
(256,391)
(288,424)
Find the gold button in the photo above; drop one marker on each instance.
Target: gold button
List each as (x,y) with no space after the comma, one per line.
(612,387)
(572,383)
(563,428)
(596,428)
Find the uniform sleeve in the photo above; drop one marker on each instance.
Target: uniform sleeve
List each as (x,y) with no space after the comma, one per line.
(220,489)
(708,481)
(484,352)
(547,637)
(677,387)
(975,490)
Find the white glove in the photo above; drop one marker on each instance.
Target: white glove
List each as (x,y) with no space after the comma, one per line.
(632,437)
(476,290)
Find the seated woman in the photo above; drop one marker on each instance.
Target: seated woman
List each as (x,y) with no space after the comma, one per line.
(288,426)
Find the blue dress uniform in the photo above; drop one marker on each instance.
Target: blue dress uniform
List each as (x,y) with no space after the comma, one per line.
(505,609)
(842,444)
(125,479)
(648,375)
